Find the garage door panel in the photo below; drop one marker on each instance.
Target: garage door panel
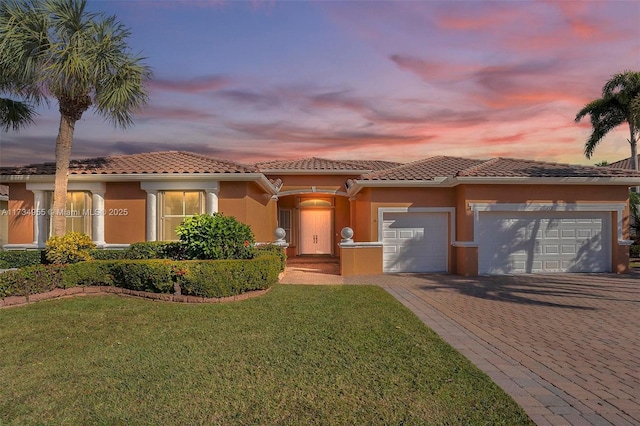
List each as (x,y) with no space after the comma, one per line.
(522,242)
(418,243)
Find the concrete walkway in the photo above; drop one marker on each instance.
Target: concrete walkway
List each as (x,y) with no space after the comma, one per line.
(564,346)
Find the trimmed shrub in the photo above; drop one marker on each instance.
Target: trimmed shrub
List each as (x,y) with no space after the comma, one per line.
(222,278)
(20,258)
(280,252)
(93,272)
(31,280)
(155,250)
(70,248)
(216,237)
(106,254)
(634,251)
(155,276)
(206,278)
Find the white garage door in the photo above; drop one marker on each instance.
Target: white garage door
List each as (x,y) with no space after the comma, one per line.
(415,242)
(530,242)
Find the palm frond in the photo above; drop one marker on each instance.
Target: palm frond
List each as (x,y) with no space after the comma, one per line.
(15,114)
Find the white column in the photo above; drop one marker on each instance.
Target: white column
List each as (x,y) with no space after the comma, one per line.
(39,219)
(152,215)
(211,203)
(97,220)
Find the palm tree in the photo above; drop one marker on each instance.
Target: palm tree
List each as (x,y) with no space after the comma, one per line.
(15,114)
(620,103)
(57,49)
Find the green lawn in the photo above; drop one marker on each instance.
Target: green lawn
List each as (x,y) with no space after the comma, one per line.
(298,355)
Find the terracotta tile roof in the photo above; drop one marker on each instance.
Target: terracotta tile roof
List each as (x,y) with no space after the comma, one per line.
(441,166)
(426,169)
(623,164)
(323,164)
(509,167)
(169,162)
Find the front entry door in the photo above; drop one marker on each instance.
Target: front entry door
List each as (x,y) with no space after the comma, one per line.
(315,231)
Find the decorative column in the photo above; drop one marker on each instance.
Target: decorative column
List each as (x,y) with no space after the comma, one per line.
(97,219)
(152,215)
(211,202)
(39,219)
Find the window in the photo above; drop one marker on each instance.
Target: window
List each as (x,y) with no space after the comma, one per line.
(284,222)
(175,206)
(77,211)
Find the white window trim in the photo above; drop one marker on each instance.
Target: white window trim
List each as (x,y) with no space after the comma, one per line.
(210,188)
(619,208)
(163,216)
(96,189)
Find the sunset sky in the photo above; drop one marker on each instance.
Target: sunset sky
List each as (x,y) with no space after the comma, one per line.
(385,80)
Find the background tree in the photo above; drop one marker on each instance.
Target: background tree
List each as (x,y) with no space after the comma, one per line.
(620,103)
(56,48)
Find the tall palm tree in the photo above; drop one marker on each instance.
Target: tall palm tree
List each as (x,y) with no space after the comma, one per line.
(620,103)
(57,49)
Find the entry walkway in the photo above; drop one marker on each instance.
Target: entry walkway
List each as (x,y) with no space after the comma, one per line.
(564,346)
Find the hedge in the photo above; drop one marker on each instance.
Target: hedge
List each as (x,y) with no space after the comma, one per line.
(155,250)
(206,278)
(20,258)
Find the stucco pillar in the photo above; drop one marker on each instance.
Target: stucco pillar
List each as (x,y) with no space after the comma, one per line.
(211,202)
(152,215)
(97,219)
(39,219)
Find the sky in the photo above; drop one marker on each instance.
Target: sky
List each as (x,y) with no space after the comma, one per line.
(389,80)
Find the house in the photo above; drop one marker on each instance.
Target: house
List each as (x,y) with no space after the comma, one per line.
(440,214)
(4,213)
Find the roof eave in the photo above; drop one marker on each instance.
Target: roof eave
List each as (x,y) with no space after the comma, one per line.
(259,178)
(593,180)
(358,184)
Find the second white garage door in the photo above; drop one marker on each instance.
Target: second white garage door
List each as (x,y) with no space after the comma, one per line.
(530,242)
(415,241)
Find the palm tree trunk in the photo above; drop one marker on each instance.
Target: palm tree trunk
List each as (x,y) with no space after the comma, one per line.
(633,142)
(63,154)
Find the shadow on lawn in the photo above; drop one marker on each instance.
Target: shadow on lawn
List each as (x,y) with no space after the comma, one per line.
(559,291)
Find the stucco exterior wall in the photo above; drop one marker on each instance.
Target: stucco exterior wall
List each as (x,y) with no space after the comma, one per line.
(249,204)
(20,225)
(360,261)
(125,213)
(4,222)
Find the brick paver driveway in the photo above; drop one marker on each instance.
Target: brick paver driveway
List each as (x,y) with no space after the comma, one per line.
(564,346)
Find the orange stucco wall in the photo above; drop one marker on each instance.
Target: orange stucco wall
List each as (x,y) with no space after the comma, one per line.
(125,213)
(20,225)
(360,261)
(249,204)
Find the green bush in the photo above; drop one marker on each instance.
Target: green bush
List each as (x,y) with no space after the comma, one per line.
(106,254)
(216,237)
(155,250)
(90,273)
(31,280)
(155,276)
(20,258)
(222,278)
(634,251)
(206,278)
(70,248)
(276,250)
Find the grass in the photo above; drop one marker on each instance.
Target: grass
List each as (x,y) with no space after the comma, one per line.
(298,355)
(634,264)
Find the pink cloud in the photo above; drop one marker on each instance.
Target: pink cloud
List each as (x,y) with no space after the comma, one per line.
(196,85)
(165,113)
